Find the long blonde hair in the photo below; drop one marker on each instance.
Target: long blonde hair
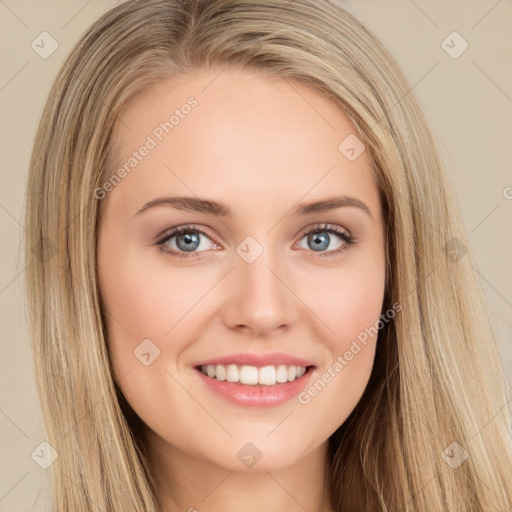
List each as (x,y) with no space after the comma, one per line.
(437,378)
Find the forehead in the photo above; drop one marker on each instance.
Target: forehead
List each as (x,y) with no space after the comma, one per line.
(255,137)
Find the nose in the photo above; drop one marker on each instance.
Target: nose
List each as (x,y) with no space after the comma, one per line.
(259,299)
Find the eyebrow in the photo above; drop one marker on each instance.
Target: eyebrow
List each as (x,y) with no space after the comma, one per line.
(196,204)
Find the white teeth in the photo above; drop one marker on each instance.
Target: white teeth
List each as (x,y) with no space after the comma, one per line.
(267,376)
(252,375)
(249,375)
(282,373)
(232,373)
(220,372)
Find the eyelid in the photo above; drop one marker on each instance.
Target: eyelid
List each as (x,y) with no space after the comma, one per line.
(339,231)
(324,226)
(172,232)
(342,233)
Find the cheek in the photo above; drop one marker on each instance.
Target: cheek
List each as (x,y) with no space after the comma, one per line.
(354,303)
(147,298)
(148,301)
(348,299)
(349,308)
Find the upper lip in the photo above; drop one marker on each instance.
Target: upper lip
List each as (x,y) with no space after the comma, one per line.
(259,360)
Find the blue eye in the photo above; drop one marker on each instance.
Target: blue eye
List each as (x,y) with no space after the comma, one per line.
(188,239)
(184,241)
(318,239)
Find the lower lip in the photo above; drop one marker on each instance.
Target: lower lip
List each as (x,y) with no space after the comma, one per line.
(257,396)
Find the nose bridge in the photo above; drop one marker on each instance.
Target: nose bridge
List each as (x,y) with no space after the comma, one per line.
(260,275)
(257,295)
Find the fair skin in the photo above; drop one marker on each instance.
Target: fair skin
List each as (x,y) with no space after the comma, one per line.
(259,145)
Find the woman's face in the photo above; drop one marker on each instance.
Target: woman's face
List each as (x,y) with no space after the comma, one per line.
(274,280)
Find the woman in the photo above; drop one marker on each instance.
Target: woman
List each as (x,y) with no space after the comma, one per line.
(195,348)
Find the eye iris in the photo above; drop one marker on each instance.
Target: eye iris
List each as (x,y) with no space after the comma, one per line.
(321,238)
(190,239)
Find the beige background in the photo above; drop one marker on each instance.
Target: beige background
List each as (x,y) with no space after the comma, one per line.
(468,101)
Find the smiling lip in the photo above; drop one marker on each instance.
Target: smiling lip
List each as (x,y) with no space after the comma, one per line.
(259,360)
(258,395)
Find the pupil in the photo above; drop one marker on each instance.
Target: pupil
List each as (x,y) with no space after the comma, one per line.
(318,238)
(190,239)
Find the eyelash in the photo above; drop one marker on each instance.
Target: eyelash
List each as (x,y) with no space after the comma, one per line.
(348,240)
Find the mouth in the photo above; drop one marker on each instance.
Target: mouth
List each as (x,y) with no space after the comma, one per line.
(253,379)
(255,376)
(255,386)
